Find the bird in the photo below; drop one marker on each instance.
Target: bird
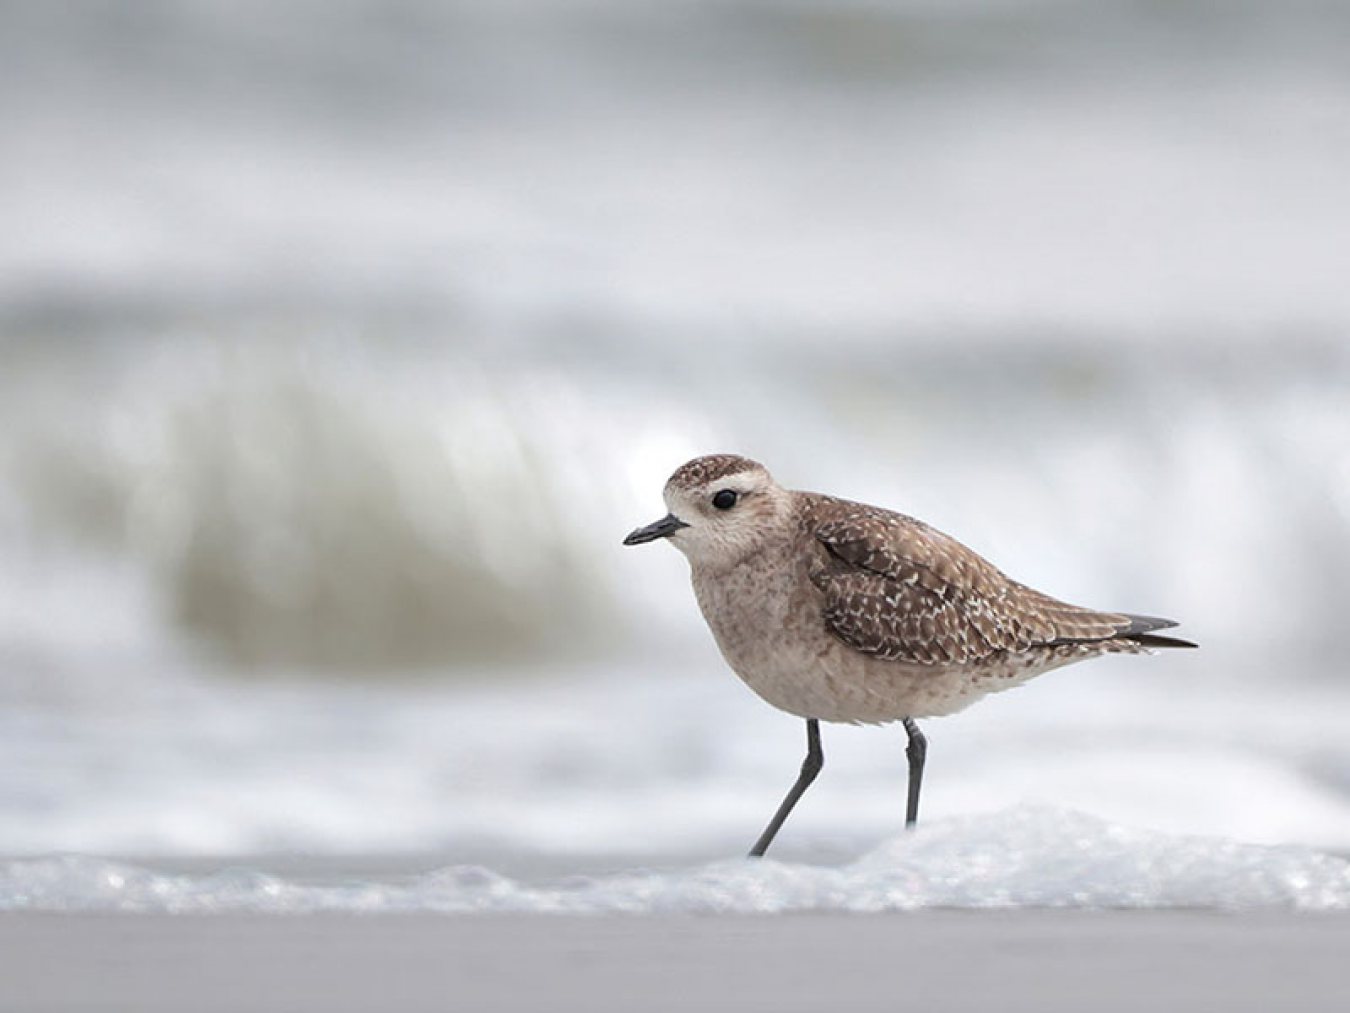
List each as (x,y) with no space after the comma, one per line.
(838,611)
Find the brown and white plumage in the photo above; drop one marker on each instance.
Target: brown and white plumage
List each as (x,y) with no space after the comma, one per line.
(899,590)
(840,611)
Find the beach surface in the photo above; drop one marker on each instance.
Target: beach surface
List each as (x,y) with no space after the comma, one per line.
(934,961)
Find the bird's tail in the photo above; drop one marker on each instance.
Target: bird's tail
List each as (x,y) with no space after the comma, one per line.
(1141,628)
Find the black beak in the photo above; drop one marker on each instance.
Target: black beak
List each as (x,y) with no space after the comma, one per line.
(664,528)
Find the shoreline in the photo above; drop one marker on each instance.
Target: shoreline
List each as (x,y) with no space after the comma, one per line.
(940,960)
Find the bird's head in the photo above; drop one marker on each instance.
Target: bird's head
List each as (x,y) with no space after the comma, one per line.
(722,508)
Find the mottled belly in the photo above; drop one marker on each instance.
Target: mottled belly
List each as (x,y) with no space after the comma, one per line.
(820,677)
(773,636)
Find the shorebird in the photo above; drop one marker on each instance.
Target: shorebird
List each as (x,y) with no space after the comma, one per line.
(839,611)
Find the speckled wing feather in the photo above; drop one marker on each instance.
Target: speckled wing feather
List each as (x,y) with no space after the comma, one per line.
(900,590)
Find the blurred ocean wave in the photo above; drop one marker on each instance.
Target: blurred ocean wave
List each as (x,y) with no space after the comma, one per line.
(345,506)
(366,506)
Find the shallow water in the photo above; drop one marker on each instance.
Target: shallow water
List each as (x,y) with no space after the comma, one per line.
(566,769)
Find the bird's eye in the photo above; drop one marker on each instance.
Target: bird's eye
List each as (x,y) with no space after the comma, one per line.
(725,499)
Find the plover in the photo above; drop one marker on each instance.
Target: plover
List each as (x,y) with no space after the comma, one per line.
(840,611)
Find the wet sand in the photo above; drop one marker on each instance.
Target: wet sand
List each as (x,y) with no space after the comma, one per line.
(931,961)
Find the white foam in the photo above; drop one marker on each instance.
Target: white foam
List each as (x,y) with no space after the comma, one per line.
(1028,858)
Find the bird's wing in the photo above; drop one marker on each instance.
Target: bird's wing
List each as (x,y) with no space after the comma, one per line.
(899,590)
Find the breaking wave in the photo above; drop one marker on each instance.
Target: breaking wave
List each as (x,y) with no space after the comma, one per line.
(362,508)
(355,509)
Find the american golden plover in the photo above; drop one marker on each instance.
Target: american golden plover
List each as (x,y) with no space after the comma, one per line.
(839,611)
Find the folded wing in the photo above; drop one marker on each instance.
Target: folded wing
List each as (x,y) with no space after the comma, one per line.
(900,590)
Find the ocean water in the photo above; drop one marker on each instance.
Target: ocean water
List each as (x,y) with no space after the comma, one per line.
(340,345)
(644,761)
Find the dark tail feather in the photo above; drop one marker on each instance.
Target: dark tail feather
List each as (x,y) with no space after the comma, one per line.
(1153,640)
(1141,630)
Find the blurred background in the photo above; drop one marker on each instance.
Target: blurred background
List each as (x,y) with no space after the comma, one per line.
(342,342)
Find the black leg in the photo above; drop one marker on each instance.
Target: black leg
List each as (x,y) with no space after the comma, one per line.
(916,751)
(815,759)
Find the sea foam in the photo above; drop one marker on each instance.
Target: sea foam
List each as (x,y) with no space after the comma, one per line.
(1036,857)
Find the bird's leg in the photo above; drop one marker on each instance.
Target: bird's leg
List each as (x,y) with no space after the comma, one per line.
(815,759)
(916,751)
